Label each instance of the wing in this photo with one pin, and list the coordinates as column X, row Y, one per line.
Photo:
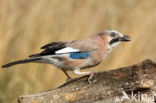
column 76, row 49
column 50, row 49
column 55, row 48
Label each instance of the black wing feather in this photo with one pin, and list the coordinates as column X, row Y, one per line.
column 50, row 48
column 51, row 51
column 53, row 45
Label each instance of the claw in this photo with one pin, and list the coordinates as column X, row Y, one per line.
column 69, row 79
column 91, row 79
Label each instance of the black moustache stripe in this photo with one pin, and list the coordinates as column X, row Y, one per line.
column 114, row 41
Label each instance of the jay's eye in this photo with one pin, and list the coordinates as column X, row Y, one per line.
column 113, row 34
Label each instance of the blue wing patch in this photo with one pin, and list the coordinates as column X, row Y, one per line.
column 79, row 55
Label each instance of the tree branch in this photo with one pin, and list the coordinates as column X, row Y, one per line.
column 115, row 85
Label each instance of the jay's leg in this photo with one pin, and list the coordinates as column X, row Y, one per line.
column 91, row 77
column 68, row 77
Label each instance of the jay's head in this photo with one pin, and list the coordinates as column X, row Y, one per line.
column 115, row 38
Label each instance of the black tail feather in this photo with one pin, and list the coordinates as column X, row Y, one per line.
column 20, row 62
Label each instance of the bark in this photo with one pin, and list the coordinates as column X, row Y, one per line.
column 115, row 86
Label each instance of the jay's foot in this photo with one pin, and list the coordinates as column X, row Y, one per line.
column 69, row 79
column 91, row 79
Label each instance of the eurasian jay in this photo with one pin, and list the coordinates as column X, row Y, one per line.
column 77, row 54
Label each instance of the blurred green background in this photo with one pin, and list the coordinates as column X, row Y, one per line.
column 26, row 25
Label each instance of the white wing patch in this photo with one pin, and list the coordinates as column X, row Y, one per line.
column 67, row 50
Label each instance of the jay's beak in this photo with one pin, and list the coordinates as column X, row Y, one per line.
column 125, row 38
